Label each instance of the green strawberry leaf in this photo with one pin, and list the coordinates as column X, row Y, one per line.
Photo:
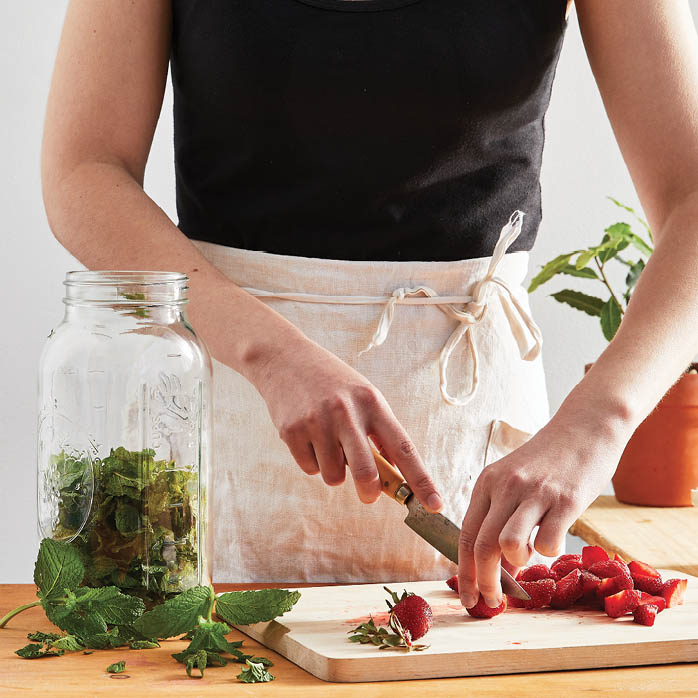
column 591, row 305
column 247, row 607
column 57, row 568
column 177, row 615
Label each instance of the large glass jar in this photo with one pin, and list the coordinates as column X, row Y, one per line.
column 124, row 441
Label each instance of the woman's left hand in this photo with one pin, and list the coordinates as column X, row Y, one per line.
column 547, row 482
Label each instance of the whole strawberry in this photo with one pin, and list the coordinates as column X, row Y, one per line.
column 482, row 610
column 410, row 615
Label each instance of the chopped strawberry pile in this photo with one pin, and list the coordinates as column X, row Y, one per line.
column 620, row 587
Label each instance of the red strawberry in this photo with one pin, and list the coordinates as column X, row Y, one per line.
column 453, row 582
column 645, row 614
column 482, row 610
column 623, row 602
column 674, row 591
column 534, row 573
column 658, row 601
column 642, row 569
column 562, row 569
column 590, row 582
column 650, row 585
column 567, row 556
column 612, row 585
column 412, row 613
column 567, row 590
column 619, row 558
column 592, row 554
column 609, row 568
column 540, row 591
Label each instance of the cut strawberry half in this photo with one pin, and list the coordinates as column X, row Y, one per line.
column 645, row 614
column 612, row 585
column 567, row 590
column 590, row 582
column 562, row 568
column 619, row 558
column 642, row 569
column 674, row 591
column 541, row 592
column 623, row 602
column 453, row 582
column 592, row 554
column 658, row 601
column 535, row 573
column 482, row 610
column 609, row 568
column 650, row 585
column 567, row 556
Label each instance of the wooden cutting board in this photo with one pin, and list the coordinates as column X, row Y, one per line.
column 314, row 636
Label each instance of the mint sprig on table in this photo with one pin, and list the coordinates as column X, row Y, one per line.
column 104, row 617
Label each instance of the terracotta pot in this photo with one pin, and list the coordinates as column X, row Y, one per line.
column 659, row 466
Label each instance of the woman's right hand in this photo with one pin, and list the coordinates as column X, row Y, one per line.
column 326, row 411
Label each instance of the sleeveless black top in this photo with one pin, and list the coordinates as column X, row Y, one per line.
column 361, row 129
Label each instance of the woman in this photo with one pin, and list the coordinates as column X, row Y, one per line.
column 344, row 168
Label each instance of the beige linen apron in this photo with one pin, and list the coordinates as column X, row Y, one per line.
column 451, row 346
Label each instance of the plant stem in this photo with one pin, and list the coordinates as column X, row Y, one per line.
column 608, row 285
column 19, row 609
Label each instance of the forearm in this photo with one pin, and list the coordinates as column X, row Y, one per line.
column 100, row 213
column 658, row 337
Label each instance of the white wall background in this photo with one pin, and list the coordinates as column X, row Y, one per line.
column 582, row 165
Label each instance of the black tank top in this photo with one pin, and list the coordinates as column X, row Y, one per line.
column 361, row 129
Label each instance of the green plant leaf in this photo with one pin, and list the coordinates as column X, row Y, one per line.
column 177, row 615
column 254, row 673
column 197, row 660
column 611, row 316
column 117, row 667
column 143, row 644
column 549, row 270
column 585, row 257
column 38, row 636
column 623, row 231
column 69, row 643
column 116, row 608
column 591, row 305
column 633, row 275
column 584, row 272
column 247, row 607
column 632, row 211
column 57, row 568
column 35, row 651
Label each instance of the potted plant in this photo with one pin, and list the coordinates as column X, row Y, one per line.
column 659, row 466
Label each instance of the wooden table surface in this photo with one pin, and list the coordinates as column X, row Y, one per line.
column 663, row 537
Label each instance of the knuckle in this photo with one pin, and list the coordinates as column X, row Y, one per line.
column 423, row 482
column 510, row 542
column 366, row 396
column 338, row 406
column 407, row 449
column 485, row 549
column 364, row 472
column 516, row 480
column 290, row 431
column 466, row 542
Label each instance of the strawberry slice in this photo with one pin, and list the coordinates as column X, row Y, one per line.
column 482, row 610
column 592, row 554
column 619, row 558
column 609, row 568
column 650, row 585
column 674, row 591
column 567, row 590
column 645, row 614
column 453, row 582
column 535, row 573
column 658, row 601
column 567, row 556
column 612, row 585
column 590, row 582
column 642, row 569
column 562, row 568
column 541, row 592
column 623, row 602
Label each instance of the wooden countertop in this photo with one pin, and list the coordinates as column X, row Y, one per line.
column 663, row 537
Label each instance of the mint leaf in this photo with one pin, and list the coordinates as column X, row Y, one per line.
column 197, row 660
column 69, row 643
column 247, row 607
column 117, row 667
column 591, row 305
column 38, row 636
column 57, row 568
column 254, row 673
column 116, row 608
column 143, row 644
column 209, row 636
column 34, row 651
column 177, row 615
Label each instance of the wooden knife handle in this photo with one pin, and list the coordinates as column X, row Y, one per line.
column 392, row 482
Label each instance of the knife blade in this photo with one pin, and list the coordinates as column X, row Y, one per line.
column 440, row 532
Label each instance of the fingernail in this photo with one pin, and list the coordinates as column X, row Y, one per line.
column 468, row 600
column 493, row 601
column 434, row 502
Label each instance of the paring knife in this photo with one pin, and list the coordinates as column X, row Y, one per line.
column 435, row 529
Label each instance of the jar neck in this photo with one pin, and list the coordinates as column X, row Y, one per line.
column 154, row 296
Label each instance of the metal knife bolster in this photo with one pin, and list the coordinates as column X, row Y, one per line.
column 442, row 534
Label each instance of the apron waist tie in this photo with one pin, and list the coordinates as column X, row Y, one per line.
column 467, row 317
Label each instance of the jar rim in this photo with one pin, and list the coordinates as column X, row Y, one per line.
column 109, row 277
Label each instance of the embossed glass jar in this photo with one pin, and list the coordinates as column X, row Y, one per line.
column 124, row 440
